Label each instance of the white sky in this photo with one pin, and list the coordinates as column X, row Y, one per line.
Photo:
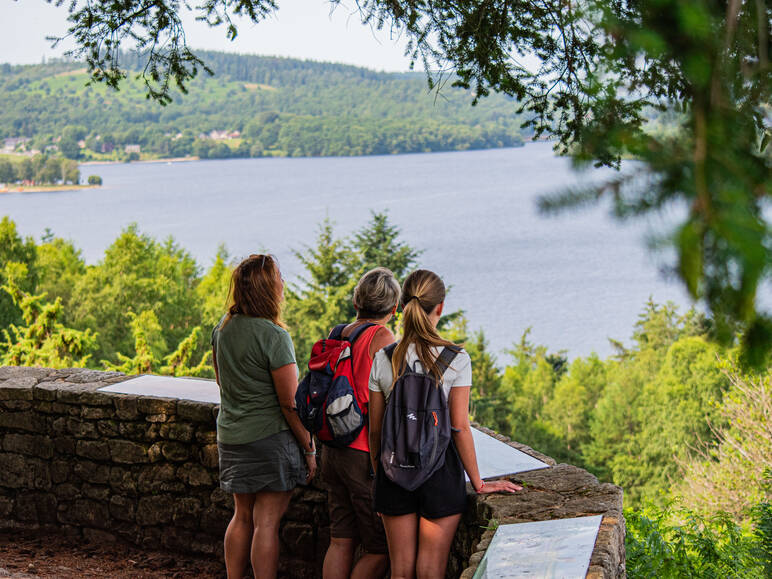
column 299, row 29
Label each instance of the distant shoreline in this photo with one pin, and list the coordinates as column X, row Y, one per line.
column 284, row 156
column 45, row 188
column 169, row 160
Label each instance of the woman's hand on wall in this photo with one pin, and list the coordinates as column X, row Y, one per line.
column 498, row 486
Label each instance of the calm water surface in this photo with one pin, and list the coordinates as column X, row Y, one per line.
column 577, row 279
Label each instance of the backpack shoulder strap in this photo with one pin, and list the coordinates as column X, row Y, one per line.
column 447, row 356
column 335, row 333
column 354, row 336
column 389, row 350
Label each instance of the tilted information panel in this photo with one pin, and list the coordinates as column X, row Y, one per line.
column 559, row 549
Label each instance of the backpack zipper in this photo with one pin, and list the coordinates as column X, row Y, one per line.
column 436, row 439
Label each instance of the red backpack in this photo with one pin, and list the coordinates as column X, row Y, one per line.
column 327, row 403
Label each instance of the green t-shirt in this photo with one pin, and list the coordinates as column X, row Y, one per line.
column 247, row 350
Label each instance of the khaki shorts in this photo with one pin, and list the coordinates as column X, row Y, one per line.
column 346, row 474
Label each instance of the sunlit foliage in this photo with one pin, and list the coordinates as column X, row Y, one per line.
column 42, row 340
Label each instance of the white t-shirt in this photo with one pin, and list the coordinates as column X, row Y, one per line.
column 458, row 374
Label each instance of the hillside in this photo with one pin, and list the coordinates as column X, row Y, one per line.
column 252, row 106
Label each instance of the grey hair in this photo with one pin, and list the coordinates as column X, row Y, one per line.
column 377, row 293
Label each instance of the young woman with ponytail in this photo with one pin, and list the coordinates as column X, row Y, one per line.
column 420, row 524
column 265, row 451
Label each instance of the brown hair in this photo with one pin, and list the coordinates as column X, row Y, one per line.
column 256, row 289
column 422, row 291
column 376, row 294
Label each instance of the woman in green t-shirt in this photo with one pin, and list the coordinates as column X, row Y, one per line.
column 265, row 451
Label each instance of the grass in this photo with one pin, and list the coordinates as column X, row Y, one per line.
column 14, row 158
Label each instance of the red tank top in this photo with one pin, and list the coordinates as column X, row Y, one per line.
column 362, row 362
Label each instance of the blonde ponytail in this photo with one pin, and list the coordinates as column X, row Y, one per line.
column 422, row 291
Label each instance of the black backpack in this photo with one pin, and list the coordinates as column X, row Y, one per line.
column 416, row 427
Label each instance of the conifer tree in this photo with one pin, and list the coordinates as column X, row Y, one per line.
column 212, row 290
column 149, row 346
column 60, row 265
column 323, row 297
column 43, row 340
column 178, row 362
column 378, row 244
column 333, row 266
column 137, row 274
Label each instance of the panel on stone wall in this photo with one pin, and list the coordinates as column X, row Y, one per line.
column 545, row 549
column 197, row 389
column 495, row 458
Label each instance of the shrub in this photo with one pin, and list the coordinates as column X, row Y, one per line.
column 735, row 471
column 676, row 543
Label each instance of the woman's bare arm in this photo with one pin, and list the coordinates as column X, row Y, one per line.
column 285, row 380
column 375, row 413
column 458, row 402
column 382, row 338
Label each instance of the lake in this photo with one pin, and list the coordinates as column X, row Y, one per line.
column 576, row 279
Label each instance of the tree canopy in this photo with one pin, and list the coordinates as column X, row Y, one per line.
column 586, row 72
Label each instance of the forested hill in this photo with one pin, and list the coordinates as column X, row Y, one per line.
column 252, row 106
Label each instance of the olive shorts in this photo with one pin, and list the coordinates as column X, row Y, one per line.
column 274, row 463
column 346, row 475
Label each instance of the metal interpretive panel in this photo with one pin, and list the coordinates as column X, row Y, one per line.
column 495, row 458
column 559, row 549
column 199, row 390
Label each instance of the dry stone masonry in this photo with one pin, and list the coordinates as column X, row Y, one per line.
column 118, row 467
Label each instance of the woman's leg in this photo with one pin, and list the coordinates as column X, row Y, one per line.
column 434, row 539
column 340, row 556
column 340, row 553
column 268, row 510
column 370, row 566
column 238, row 536
column 402, row 536
column 338, row 559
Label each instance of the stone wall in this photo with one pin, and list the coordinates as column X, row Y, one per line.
column 111, row 467
column 117, row 467
column 562, row 491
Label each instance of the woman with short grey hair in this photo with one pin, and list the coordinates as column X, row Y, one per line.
column 346, row 472
column 376, row 294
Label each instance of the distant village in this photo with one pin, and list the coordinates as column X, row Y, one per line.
column 20, row 145
column 24, row 166
column 17, row 144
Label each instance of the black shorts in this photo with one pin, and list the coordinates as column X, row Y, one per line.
column 444, row 494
